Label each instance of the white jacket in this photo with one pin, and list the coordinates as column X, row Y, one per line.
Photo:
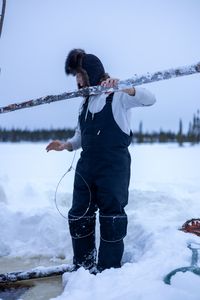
column 121, row 108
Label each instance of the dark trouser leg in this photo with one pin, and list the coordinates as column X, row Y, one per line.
column 112, row 196
column 82, row 222
column 113, row 230
column 83, row 241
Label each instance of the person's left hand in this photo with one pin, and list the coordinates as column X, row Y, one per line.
column 111, row 82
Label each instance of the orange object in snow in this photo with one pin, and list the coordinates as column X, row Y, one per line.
column 191, row 226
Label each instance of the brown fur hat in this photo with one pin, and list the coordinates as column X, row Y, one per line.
column 88, row 65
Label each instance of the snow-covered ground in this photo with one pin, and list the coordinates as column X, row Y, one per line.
column 164, row 193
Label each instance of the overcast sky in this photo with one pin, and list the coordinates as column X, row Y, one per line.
column 129, row 36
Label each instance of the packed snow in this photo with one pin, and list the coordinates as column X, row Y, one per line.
column 164, row 193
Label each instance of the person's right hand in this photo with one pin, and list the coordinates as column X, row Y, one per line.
column 57, row 146
column 110, row 82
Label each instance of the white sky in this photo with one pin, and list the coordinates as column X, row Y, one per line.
column 128, row 36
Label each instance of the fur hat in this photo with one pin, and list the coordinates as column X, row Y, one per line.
column 88, row 65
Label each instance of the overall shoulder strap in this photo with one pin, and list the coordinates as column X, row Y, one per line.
column 109, row 98
column 87, row 99
column 85, row 104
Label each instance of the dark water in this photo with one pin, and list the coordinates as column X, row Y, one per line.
column 13, row 291
column 41, row 289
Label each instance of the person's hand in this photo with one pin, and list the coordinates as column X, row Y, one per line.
column 110, row 82
column 58, row 146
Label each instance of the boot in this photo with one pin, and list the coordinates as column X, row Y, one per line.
column 113, row 230
column 83, row 241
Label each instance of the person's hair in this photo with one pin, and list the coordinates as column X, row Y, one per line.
column 104, row 77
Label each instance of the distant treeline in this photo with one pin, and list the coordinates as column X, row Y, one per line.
column 192, row 136
column 18, row 135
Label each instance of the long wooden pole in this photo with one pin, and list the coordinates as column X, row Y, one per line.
column 94, row 90
column 39, row 272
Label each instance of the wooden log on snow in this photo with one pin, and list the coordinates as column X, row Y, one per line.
column 39, row 272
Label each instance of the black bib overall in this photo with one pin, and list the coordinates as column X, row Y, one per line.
column 104, row 170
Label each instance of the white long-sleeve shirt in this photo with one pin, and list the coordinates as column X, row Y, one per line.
column 121, row 108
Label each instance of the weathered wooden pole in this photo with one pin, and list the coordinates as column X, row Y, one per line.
column 94, row 90
column 39, row 272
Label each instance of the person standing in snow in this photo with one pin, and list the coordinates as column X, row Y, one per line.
column 104, row 134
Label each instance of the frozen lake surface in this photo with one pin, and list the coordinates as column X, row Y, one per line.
column 164, row 193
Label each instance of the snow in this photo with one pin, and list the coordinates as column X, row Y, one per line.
column 164, row 193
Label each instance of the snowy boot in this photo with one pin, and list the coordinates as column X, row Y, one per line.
column 82, row 231
column 113, row 230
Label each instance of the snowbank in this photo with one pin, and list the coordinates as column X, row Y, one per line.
column 164, row 193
